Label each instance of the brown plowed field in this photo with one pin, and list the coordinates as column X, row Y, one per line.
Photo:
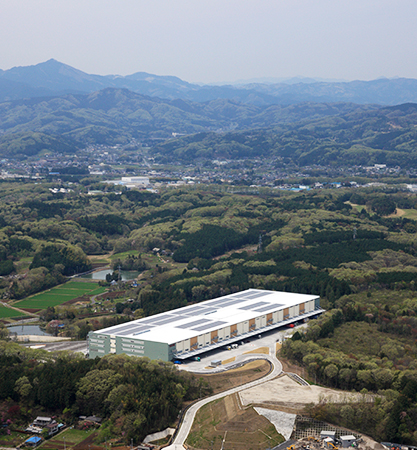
column 84, row 298
column 88, row 444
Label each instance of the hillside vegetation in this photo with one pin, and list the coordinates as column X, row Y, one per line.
column 337, row 134
column 135, row 396
column 116, row 116
column 361, row 262
column 382, row 136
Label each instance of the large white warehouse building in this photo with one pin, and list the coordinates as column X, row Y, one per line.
column 195, row 329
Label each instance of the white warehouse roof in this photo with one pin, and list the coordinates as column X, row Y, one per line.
column 190, row 321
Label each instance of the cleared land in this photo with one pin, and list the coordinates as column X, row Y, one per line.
column 223, row 381
column 406, row 213
column 72, row 438
column 263, row 350
column 239, row 428
column 285, row 394
column 60, row 294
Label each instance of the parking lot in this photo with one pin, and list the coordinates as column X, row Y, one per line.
column 268, row 340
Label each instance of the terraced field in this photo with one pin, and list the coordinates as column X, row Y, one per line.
column 6, row 313
column 60, row 294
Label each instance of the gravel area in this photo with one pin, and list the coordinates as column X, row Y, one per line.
column 283, row 422
column 286, row 392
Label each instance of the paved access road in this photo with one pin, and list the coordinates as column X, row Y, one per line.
column 189, row 417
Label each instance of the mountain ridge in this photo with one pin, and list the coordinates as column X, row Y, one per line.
column 52, row 77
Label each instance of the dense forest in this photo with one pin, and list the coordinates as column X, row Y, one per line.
column 134, row 396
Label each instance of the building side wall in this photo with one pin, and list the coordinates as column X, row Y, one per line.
column 102, row 344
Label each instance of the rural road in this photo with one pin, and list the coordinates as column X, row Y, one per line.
column 185, row 427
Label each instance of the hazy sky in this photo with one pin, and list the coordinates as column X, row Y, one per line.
column 215, row 40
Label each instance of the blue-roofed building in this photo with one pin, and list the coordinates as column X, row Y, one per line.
column 33, row 441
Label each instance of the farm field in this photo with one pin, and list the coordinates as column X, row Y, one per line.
column 12, row 440
column 60, row 294
column 6, row 313
column 67, row 439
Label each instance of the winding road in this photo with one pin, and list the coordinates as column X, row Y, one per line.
column 188, row 419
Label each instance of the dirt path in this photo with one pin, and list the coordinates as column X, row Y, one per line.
column 18, row 309
column 398, row 213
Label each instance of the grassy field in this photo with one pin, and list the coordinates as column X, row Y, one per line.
column 60, row 294
column 72, row 438
column 75, row 436
column 410, row 214
column 6, row 313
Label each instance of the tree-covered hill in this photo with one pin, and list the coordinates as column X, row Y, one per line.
column 55, row 78
column 114, row 116
column 384, row 136
column 360, row 260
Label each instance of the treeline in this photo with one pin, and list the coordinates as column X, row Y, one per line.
column 331, row 237
column 65, row 259
column 10, row 249
column 354, row 348
column 134, row 396
column 46, row 210
column 210, row 241
column 107, row 224
column 132, row 262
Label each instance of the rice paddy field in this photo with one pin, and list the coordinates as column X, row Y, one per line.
column 7, row 313
column 60, row 294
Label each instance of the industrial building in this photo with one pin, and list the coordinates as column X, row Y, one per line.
column 196, row 329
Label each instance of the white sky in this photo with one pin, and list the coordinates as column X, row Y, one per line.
column 215, row 40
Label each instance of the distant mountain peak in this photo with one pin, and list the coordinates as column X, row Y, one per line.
column 54, row 78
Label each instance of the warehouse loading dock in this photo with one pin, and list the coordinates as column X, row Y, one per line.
column 196, row 329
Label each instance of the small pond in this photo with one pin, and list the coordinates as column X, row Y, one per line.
column 27, row 330
column 101, row 275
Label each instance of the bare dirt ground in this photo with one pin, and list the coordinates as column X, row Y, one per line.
column 264, row 350
column 285, row 394
column 239, row 428
column 236, row 377
column 398, row 213
column 288, row 366
column 88, row 444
